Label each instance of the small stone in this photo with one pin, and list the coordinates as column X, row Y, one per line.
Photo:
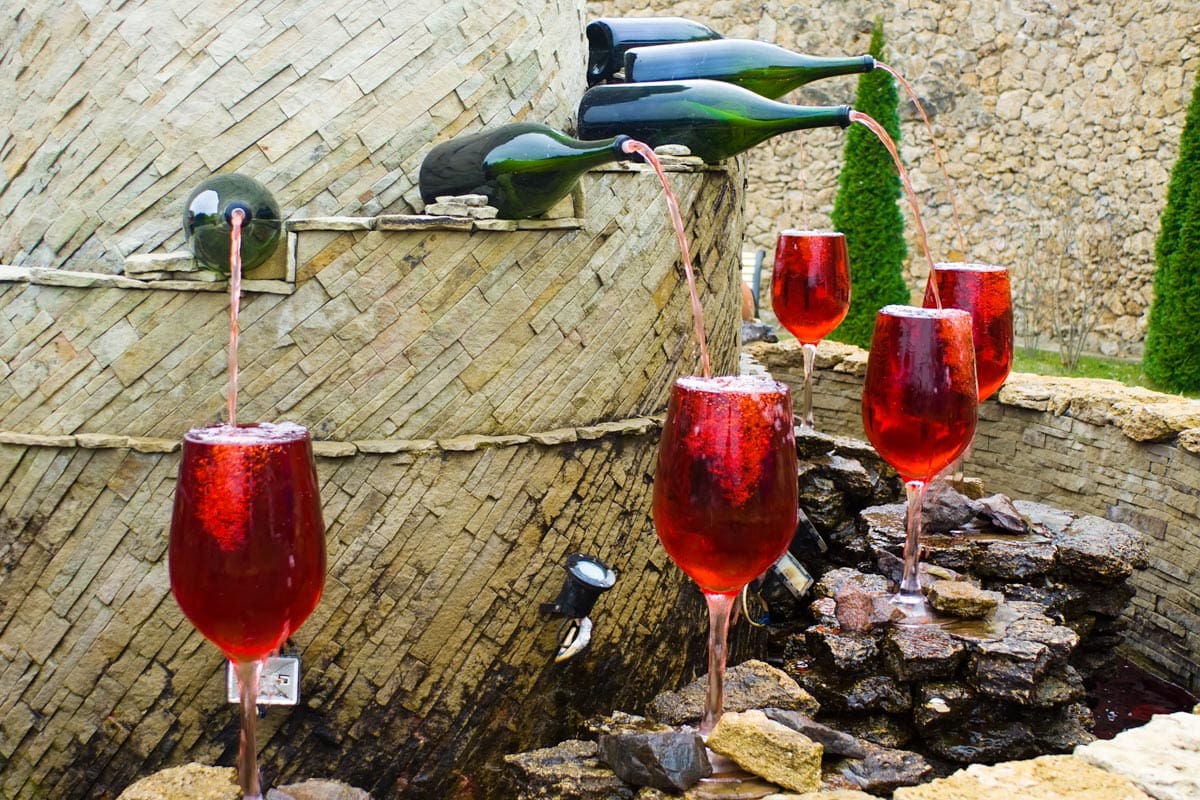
column 844, row 652
column 1101, row 550
column 1009, row 669
column 677, row 150
column 751, row 684
column 921, row 652
column 768, row 749
column 666, row 760
column 882, row 770
column 189, row 782
column 464, row 199
column 1002, row 514
column 962, row 599
column 835, row 742
column 569, row 769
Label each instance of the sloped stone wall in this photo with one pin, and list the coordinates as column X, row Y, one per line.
column 1093, row 447
column 1059, row 123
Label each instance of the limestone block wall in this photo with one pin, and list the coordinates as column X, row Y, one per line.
column 1094, row 447
column 111, row 113
column 1059, row 123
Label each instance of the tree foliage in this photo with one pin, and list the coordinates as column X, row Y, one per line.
column 1172, row 354
column 866, row 208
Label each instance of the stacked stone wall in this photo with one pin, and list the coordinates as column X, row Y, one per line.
column 1059, row 123
column 1093, row 447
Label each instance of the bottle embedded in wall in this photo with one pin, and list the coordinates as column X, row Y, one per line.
column 610, row 37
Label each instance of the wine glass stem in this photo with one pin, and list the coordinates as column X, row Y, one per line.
column 910, row 580
column 248, row 674
column 719, row 608
column 806, row 405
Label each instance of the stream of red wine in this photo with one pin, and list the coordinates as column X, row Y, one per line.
column 645, row 151
column 235, row 302
column 882, row 134
column 937, row 151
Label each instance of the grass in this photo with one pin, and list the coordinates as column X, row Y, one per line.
column 1046, row 362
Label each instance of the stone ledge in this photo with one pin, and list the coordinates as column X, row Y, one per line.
column 1140, row 414
column 635, row 426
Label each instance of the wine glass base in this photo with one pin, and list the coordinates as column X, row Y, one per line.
column 915, row 609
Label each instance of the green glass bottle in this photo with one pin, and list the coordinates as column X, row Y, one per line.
column 610, row 37
column 523, row 168
column 763, row 68
column 208, row 221
column 715, row 120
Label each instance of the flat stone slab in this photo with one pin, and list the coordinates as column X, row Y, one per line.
column 1045, row 778
column 189, row 782
column 1162, row 757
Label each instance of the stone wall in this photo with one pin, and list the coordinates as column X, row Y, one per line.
column 110, row 114
column 1090, row 446
column 1059, row 123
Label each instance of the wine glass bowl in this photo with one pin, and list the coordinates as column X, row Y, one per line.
column 984, row 291
column 726, row 491
column 919, row 406
column 247, row 549
column 810, row 294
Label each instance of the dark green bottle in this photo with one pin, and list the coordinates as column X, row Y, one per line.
column 762, row 68
column 523, row 168
column 715, row 120
column 610, row 37
column 208, row 221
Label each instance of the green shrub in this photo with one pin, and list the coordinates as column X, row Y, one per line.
column 1172, row 354
column 866, row 207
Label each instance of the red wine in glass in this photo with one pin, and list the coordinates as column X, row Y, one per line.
column 810, row 294
column 982, row 290
column 919, row 405
column 725, row 495
column 247, row 549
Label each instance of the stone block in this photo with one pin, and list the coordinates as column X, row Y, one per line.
column 768, row 749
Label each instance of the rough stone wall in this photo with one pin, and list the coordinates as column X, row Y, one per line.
column 110, row 114
column 1059, row 123
column 1094, row 447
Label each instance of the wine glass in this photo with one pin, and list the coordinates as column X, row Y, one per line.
column 725, row 495
column 247, row 550
column 810, row 294
column 982, row 290
column 919, row 406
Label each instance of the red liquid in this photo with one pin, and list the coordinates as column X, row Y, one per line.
column 984, row 292
column 247, row 550
column 725, row 489
column 647, row 152
column 919, row 397
column 810, row 284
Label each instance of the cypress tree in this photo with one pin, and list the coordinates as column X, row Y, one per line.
column 1172, row 354
column 866, row 208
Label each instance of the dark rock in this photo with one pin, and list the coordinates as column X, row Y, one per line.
column 921, row 652
column 667, row 760
column 569, row 770
column 1064, row 730
column 749, row 685
column 939, row 704
column 1001, row 514
column 1109, row 601
column 1058, row 688
column 983, row 742
column 835, row 742
column 946, row 509
column 843, row 652
column 821, row 500
column 1100, row 550
column 885, row 730
column 872, row 693
column 1016, row 560
column 1060, row 641
column 883, row 770
column 835, row 579
column 848, row 475
column 1008, row 669
column 807, row 543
